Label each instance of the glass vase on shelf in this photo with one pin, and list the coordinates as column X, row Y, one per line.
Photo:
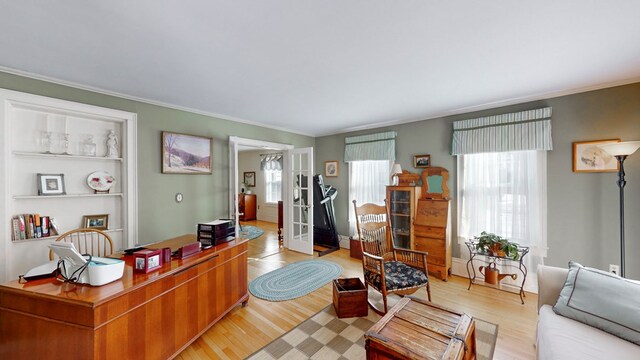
column 89, row 147
column 46, row 142
column 66, row 137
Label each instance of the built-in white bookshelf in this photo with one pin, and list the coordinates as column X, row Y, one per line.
column 51, row 136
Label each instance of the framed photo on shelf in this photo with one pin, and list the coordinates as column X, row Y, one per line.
column 51, row 184
column 250, row 178
column 421, row 161
column 588, row 156
column 331, row 168
column 186, row 154
column 98, row 222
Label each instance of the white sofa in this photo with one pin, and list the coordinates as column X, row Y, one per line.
column 561, row 338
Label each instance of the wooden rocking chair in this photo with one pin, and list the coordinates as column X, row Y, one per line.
column 398, row 271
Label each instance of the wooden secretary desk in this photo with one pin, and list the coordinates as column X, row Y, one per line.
column 432, row 222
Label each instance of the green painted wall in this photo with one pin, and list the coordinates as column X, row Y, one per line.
column 582, row 208
column 205, row 196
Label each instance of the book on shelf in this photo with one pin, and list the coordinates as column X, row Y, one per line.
column 23, row 228
column 53, row 227
column 32, row 226
column 44, row 220
column 15, row 228
column 38, row 225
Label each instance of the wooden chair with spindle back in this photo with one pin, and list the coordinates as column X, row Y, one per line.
column 87, row 241
column 405, row 271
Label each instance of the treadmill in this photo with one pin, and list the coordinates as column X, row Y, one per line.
column 325, row 234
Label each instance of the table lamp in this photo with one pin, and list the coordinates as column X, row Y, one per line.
column 395, row 170
column 621, row 150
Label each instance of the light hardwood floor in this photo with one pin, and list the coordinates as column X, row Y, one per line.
column 245, row 330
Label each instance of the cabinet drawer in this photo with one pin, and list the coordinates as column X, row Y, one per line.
column 430, row 231
column 435, row 247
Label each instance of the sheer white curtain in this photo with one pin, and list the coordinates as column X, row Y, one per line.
column 505, row 193
column 367, row 184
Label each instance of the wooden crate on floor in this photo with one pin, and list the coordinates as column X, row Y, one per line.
column 350, row 298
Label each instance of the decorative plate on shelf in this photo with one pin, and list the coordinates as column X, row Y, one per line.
column 100, row 181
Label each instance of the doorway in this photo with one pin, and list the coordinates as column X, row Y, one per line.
column 260, row 209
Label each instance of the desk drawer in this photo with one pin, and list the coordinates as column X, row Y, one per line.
column 435, row 247
column 430, row 231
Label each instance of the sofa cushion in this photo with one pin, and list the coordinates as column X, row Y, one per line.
column 603, row 300
column 560, row 338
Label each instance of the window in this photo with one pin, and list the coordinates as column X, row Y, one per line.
column 505, row 193
column 273, row 185
column 367, row 184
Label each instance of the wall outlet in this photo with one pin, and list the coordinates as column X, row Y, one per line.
column 614, row 269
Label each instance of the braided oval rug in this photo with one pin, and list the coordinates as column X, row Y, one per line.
column 294, row 280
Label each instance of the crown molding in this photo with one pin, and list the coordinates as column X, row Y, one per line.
column 142, row 100
column 458, row 111
column 489, row 105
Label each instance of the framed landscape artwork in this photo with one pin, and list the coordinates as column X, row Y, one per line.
column 588, row 156
column 421, row 161
column 186, row 154
column 331, row 168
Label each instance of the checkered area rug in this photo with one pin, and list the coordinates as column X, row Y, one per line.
column 325, row 336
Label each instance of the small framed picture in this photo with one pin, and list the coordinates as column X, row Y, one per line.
column 51, row 184
column 588, row 156
column 421, row 161
column 147, row 260
column 98, row 222
column 250, row 178
column 331, row 168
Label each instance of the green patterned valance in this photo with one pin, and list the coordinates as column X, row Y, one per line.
column 380, row 146
column 525, row 130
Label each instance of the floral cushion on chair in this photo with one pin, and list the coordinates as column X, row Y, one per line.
column 398, row 275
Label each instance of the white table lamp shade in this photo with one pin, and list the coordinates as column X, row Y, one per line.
column 396, row 169
column 621, row 148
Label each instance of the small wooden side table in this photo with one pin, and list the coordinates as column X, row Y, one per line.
column 415, row 329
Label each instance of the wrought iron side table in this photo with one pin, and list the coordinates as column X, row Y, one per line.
column 492, row 261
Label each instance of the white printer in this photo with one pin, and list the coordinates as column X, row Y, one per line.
column 94, row 271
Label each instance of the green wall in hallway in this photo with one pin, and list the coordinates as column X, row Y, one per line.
column 205, row 196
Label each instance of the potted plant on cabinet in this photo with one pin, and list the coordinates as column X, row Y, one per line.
column 495, row 245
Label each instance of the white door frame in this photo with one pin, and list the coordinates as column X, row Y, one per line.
column 234, row 142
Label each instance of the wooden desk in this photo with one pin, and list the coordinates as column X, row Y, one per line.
column 146, row 316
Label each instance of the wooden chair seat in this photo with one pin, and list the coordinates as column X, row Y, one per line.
column 398, row 276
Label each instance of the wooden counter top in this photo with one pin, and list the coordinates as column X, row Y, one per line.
column 94, row 295
column 178, row 302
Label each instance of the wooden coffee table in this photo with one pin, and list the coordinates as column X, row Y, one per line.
column 415, row 329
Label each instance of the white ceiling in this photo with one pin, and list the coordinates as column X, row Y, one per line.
column 319, row 67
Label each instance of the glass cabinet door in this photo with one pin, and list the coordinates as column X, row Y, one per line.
column 400, row 209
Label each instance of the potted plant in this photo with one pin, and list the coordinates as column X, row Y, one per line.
column 495, row 245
